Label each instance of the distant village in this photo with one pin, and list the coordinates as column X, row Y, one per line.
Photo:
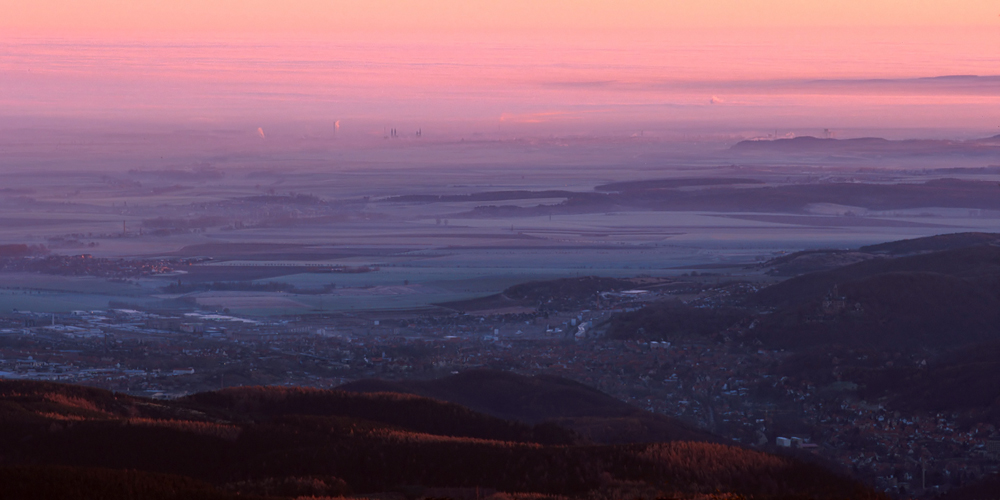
column 723, row 386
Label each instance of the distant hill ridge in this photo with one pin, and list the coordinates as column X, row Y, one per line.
column 939, row 292
column 557, row 294
column 933, row 243
column 977, row 262
column 940, row 299
column 871, row 145
column 808, row 261
column 63, row 441
column 543, row 398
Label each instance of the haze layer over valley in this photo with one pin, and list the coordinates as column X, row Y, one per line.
column 437, row 221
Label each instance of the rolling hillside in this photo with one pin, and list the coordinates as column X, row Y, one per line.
column 590, row 413
column 943, row 299
column 258, row 442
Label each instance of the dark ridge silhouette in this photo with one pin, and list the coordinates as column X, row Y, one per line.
column 569, row 289
column 555, row 294
column 25, row 401
column 810, row 261
column 783, row 199
column 784, row 259
column 938, row 300
column 544, row 398
column 906, row 311
column 794, row 198
column 925, row 301
column 990, row 170
column 286, row 442
column 869, row 146
column 933, row 243
column 397, row 409
column 978, row 262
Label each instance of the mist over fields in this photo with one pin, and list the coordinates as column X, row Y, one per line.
column 449, row 219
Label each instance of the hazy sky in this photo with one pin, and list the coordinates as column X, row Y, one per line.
column 578, row 66
column 508, row 16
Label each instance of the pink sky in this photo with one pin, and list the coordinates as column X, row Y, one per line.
column 482, row 16
column 494, row 64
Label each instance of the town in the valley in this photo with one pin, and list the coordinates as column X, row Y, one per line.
column 722, row 384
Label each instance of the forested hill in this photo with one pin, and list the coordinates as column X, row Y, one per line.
column 543, row 398
column 62, row 441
